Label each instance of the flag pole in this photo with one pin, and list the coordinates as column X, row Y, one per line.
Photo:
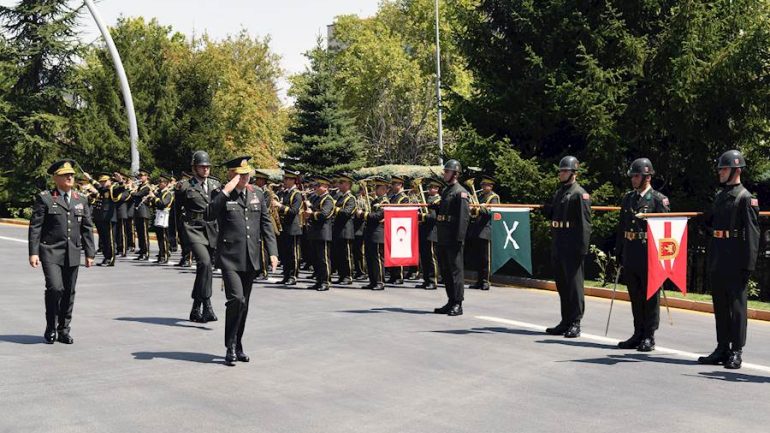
column 665, row 299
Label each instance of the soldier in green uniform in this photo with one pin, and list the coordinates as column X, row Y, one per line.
column 320, row 213
column 343, row 232
column 142, row 214
column 480, row 232
column 104, row 214
column 244, row 224
column 359, row 254
column 201, row 234
column 374, row 234
column 732, row 256
column 452, row 218
column 632, row 253
column 123, row 237
column 289, row 238
column 163, row 201
column 260, row 180
column 428, row 238
column 179, row 214
column 59, row 229
column 570, row 215
column 397, row 196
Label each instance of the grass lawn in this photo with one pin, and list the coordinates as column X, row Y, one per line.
column 757, row 305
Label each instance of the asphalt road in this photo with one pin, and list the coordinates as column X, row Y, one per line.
column 350, row 360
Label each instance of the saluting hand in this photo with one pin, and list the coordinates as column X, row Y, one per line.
column 230, row 186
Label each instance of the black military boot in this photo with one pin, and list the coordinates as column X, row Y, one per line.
column 443, row 310
column 734, row 360
column 647, row 344
column 51, row 302
column 208, row 312
column 573, row 331
column 230, row 356
column 559, row 329
column 631, row 343
column 720, row 355
column 195, row 313
column 64, row 337
column 456, row 310
column 241, row 355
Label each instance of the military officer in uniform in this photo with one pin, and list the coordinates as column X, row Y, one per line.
column 732, row 256
column 163, row 201
column 427, row 232
column 343, row 231
column 570, row 215
column 59, row 229
column 397, row 196
column 452, row 218
column 480, row 231
column 201, row 234
column 142, row 215
column 289, row 238
column 320, row 214
column 632, row 253
column 244, row 224
column 374, row 234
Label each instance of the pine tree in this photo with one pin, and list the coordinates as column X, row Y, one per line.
column 323, row 136
column 35, row 129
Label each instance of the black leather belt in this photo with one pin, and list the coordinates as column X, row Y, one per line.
column 639, row 236
column 728, row 234
column 444, row 218
column 560, row 224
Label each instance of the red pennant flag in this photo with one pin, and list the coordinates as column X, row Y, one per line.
column 666, row 253
column 402, row 246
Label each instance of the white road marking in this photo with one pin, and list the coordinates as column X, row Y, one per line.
column 600, row 339
column 24, row 241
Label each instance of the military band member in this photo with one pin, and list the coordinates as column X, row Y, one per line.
column 480, row 232
column 244, row 224
column 343, row 232
column 142, row 215
column 397, row 196
column 173, row 240
column 289, row 238
column 59, row 229
column 732, row 256
column 320, row 213
column 452, row 218
column 359, row 254
column 260, row 180
column 374, row 234
column 632, row 253
column 570, row 215
column 122, row 204
column 179, row 214
column 201, row 234
column 427, row 232
column 104, row 215
column 163, row 201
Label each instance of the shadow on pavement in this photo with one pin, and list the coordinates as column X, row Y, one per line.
column 577, row 343
column 201, row 358
column 488, row 330
column 166, row 321
column 729, row 376
column 22, row 339
column 633, row 357
column 387, row 310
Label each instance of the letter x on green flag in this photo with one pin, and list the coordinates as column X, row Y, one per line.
column 511, row 238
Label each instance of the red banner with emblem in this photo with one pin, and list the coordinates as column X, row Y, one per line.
column 402, row 246
column 666, row 253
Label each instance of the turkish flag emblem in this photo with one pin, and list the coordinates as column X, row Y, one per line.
column 402, row 246
column 666, row 253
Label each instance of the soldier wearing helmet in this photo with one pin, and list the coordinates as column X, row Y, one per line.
column 631, row 250
column 570, row 215
column 732, row 256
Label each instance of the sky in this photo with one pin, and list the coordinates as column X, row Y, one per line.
column 293, row 25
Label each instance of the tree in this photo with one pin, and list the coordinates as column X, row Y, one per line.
column 35, row 126
column 322, row 135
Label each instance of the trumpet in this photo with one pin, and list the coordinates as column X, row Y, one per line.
column 274, row 215
column 470, row 184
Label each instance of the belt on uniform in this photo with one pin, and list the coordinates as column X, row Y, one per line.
column 444, row 218
column 727, row 234
column 635, row 236
column 560, row 224
column 195, row 217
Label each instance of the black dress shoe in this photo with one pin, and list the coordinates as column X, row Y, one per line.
column 344, row 281
column 443, row 310
column 313, row 287
column 322, row 288
column 360, row 277
column 242, row 357
column 49, row 336
column 484, row 286
column 230, row 357
column 378, row 286
column 368, row 286
column 261, row 277
column 734, row 361
column 573, row 331
column 474, row 286
column 647, row 345
column 718, row 356
column 429, row 286
column 396, row 282
column 631, row 343
column 64, row 337
column 291, row 281
column 411, row 276
column 456, row 310
column 139, row 257
column 559, row 329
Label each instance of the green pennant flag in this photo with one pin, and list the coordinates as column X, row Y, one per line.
column 511, row 238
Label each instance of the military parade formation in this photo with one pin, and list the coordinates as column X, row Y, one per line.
column 333, row 225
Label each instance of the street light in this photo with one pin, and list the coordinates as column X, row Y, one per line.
column 438, row 92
